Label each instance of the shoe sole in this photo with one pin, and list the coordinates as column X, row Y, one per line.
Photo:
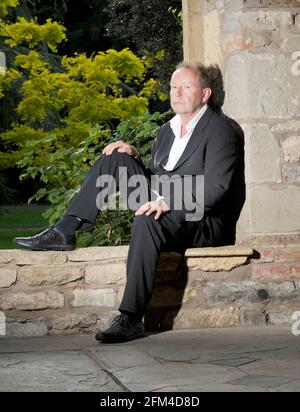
column 110, row 339
column 45, row 247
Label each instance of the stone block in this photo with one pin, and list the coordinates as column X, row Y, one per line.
column 253, row 84
column 288, row 127
column 93, row 297
column 105, row 274
column 288, row 253
column 26, row 327
column 235, row 275
column 291, row 149
column 8, row 275
column 73, row 321
column 221, row 251
column 281, row 291
column 39, row 258
column 259, row 167
column 251, row 291
column 91, row 254
column 274, row 209
column 229, row 292
column 270, row 3
column 271, row 271
column 259, row 240
column 279, row 313
column 6, row 256
column 218, row 317
column 253, row 316
column 32, row 300
column 256, row 29
column 166, row 296
column 211, row 38
column 49, row 275
column 215, row 264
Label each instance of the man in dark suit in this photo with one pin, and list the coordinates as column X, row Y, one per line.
column 196, row 142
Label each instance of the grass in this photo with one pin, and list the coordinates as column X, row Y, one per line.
column 23, row 220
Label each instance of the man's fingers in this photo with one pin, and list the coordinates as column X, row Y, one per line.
column 141, row 210
column 158, row 214
column 111, row 147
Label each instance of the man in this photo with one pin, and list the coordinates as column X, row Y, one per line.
column 196, row 142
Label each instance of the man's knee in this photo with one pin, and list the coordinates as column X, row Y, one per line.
column 143, row 221
column 117, row 156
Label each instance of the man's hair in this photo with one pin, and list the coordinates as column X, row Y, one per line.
column 197, row 68
column 209, row 76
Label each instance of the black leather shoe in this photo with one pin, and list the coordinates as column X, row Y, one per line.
column 50, row 239
column 122, row 329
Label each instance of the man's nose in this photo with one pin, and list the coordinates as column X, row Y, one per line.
column 179, row 91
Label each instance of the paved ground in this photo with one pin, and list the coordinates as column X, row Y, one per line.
column 233, row 359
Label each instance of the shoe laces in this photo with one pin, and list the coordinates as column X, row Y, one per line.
column 122, row 320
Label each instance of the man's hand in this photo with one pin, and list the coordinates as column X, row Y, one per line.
column 121, row 147
column 158, row 206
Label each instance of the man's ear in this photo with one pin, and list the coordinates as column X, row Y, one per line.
column 206, row 93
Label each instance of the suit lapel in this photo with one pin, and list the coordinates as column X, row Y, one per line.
column 195, row 139
column 162, row 155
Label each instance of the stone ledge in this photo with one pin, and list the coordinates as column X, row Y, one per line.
column 219, row 251
column 96, row 253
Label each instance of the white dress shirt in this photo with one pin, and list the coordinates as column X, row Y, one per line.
column 180, row 143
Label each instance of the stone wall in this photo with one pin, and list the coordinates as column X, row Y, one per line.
column 257, row 45
column 68, row 292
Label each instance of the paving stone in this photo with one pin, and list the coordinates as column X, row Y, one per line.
column 67, row 371
column 261, row 380
column 181, row 375
column 114, row 359
column 287, row 367
column 248, row 359
column 36, row 344
column 293, row 386
column 232, row 362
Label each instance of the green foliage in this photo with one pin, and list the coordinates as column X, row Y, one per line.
column 100, row 89
column 68, row 109
column 31, row 34
column 4, row 4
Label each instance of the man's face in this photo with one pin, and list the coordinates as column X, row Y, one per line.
column 186, row 94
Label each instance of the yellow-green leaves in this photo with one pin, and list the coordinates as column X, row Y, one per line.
column 4, row 4
column 30, row 34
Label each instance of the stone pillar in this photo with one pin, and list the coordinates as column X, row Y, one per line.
column 257, row 45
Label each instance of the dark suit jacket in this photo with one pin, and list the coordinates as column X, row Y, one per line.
column 216, row 151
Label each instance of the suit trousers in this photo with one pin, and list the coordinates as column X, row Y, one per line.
column 148, row 236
